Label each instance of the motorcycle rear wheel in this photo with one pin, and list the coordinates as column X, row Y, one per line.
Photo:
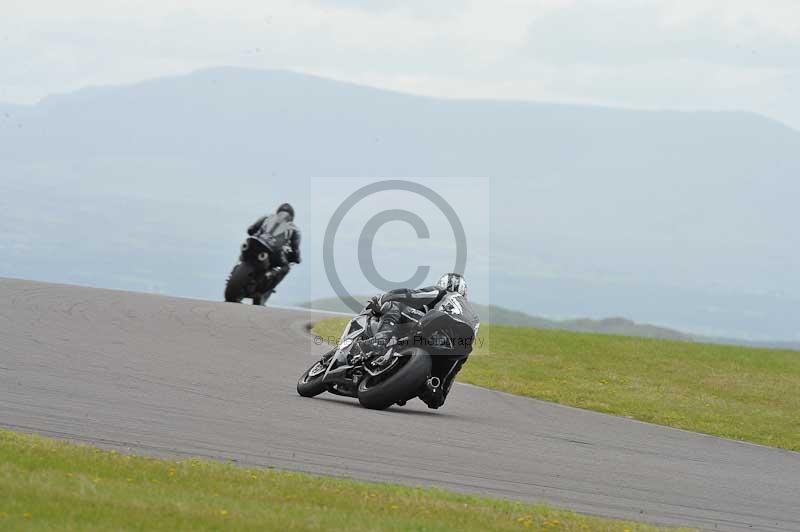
column 240, row 277
column 381, row 392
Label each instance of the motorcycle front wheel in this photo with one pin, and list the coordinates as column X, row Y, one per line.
column 396, row 384
column 310, row 383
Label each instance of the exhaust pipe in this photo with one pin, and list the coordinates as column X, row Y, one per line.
column 433, row 383
column 263, row 256
column 245, row 246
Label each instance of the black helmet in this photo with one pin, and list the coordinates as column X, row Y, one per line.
column 453, row 282
column 285, row 207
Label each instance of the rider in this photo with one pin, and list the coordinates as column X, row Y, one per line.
column 398, row 307
column 282, row 238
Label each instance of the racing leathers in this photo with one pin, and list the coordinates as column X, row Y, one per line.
column 282, row 238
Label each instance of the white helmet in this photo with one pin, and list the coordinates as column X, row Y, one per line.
column 453, row 282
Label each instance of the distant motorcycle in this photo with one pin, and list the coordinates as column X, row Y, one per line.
column 422, row 360
column 254, row 277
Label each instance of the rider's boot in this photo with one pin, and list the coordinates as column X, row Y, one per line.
column 433, row 397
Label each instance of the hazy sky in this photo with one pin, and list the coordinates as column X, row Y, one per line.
column 687, row 54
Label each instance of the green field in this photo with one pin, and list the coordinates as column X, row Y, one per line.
column 735, row 392
column 53, row 485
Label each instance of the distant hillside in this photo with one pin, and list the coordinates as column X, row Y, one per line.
column 504, row 316
column 688, row 219
column 620, row 326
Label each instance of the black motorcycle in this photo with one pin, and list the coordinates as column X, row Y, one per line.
column 254, row 277
column 422, row 360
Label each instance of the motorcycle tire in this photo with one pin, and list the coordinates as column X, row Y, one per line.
column 401, row 385
column 240, row 277
column 311, row 386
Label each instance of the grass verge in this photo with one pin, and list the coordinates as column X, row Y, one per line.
column 740, row 393
column 53, row 485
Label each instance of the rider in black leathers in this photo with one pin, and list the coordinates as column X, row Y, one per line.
column 398, row 307
column 283, row 238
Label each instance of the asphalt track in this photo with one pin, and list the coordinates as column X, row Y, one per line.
column 174, row 377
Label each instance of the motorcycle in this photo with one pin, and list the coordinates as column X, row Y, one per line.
column 254, row 277
column 421, row 361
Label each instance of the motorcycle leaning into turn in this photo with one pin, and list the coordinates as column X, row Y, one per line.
column 421, row 362
column 257, row 273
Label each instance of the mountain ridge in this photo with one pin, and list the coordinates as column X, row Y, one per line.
column 676, row 217
column 222, row 70
column 612, row 325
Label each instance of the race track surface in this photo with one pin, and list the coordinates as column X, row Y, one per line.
column 175, row 377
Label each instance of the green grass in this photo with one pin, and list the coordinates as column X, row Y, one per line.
column 735, row 392
column 54, row 485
